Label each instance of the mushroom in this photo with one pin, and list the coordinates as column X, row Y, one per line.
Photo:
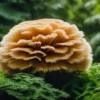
column 45, row 45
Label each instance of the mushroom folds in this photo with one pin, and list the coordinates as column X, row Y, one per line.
column 45, row 45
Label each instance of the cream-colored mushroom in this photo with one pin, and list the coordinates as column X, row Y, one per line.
column 45, row 45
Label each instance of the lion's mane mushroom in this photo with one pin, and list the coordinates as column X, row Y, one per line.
column 45, row 45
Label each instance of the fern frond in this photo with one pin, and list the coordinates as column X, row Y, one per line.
column 28, row 87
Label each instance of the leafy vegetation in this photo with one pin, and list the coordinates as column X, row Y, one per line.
column 73, row 86
column 85, row 86
column 23, row 86
column 79, row 85
column 15, row 11
column 95, row 43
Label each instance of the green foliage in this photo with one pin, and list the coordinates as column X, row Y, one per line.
column 95, row 43
column 13, row 15
column 86, row 85
column 79, row 85
column 15, row 11
column 23, row 86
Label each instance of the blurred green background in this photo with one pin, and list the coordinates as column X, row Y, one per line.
column 84, row 13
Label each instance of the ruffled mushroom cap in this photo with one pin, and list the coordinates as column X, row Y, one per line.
column 45, row 45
